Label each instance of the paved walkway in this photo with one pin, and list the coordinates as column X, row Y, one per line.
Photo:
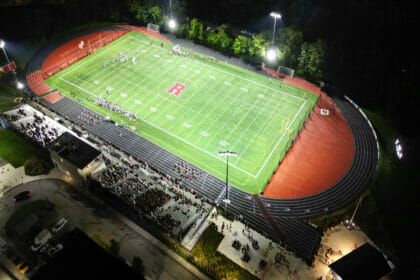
column 340, row 241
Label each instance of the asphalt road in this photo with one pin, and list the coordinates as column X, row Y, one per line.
column 98, row 219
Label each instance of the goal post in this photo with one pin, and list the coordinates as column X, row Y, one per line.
column 286, row 71
column 153, row 27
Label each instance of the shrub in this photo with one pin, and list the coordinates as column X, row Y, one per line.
column 36, row 166
column 114, row 247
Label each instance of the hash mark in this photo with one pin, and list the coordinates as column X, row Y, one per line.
column 187, row 125
column 204, row 133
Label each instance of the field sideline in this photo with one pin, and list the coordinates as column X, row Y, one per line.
column 192, row 106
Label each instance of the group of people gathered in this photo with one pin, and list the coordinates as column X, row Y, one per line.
column 33, row 126
column 187, row 172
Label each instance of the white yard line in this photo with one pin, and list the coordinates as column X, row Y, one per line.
column 238, row 124
column 188, row 109
column 258, row 132
column 255, row 118
column 194, row 105
column 303, row 104
column 227, row 121
column 214, row 108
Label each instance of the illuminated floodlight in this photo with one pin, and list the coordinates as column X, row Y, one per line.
column 275, row 15
column 271, row 54
column 2, row 43
column 19, row 85
column 226, row 201
column 227, row 153
column 172, row 23
column 398, row 149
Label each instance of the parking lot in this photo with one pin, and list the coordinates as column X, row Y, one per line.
column 96, row 220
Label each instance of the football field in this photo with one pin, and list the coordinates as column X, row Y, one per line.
column 192, row 105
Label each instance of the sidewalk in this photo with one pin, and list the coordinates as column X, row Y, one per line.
column 163, row 247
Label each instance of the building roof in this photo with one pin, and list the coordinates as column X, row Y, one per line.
column 74, row 150
column 82, row 258
column 366, row 262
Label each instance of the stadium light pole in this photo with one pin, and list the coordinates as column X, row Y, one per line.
column 227, row 154
column 19, row 85
column 171, row 22
column 350, row 223
column 271, row 53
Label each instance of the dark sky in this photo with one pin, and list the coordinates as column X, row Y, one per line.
column 372, row 55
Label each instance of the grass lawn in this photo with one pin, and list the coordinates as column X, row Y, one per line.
column 7, row 91
column 214, row 264
column 193, row 107
column 15, row 149
column 7, row 96
column 7, row 105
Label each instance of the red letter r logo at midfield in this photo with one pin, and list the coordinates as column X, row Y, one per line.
column 176, row 89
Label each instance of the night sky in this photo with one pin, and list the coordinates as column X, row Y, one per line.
column 372, row 56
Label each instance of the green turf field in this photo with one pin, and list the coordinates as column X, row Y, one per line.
column 214, row 106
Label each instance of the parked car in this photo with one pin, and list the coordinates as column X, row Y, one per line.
column 22, row 196
column 59, row 225
column 3, row 244
column 41, row 239
column 44, row 248
column 23, row 268
column 53, row 250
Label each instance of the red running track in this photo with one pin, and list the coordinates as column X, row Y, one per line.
column 321, row 154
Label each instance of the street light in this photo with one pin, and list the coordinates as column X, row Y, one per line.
column 350, row 223
column 171, row 22
column 19, row 85
column 2, row 46
column 271, row 53
column 227, row 154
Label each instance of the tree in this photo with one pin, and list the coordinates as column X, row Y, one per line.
column 290, row 40
column 257, row 48
column 114, row 247
column 155, row 16
column 143, row 12
column 196, row 31
column 224, row 40
column 241, row 45
column 311, row 60
column 183, row 32
column 213, row 40
column 36, row 166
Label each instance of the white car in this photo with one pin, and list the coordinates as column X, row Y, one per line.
column 59, row 225
column 41, row 239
